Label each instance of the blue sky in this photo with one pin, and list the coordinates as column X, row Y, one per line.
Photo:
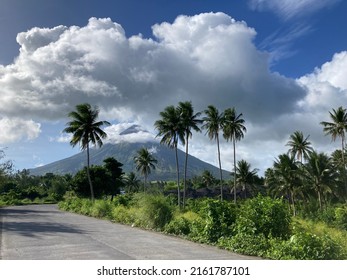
column 281, row 63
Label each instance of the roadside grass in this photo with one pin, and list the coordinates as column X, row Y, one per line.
column 260, row 226
column 6, row 201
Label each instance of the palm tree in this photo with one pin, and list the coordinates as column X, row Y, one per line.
column 245, row 176
column 207, row 178
column 86, row 129
column 284, row 178
column 131, row 182
column 337, row 128
column 213, row 124
column 170, row 130
column 189, row 121
column 320, row 175
column 300, row 147
column 233, row 129
column 144, row 161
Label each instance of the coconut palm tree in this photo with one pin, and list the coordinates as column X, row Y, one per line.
column 189, row 121
column 131, row 182
column 233, row 130
column 320, row 175
column 213, row 124
column 86, row 129
column 337, row 128
column 245, row 176
column 144, row 161
column 300, row 147
column 284, row 178
column 170, row 130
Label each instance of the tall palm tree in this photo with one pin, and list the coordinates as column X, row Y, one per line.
column 144, row 161
column 320, row 175
column 170, row 130
column 337, row 128
column 213, row 124
column 85, row 129
column 300, row 147
column 233, row 129
column 189, row 121
column 245, row 176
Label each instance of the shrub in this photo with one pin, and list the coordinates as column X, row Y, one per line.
column 86, row 207
column 219, row 216
column 181, row 224
column 264, row 215
column 306, row 246
column 123, row 199
column 101, row 209
column 155, row 210
column 341, row 217
column 124, row 215
column 248, row 244
column 215, row 220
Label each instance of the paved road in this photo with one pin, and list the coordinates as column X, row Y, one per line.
column 43, row 232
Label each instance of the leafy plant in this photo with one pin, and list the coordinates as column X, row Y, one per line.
column 264, row 215
column 341, row 217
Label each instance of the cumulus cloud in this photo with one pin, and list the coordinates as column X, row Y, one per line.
column 288, row 9
column 14, row 129
column 208, row 59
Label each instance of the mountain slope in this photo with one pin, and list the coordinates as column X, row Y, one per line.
column 124, row 152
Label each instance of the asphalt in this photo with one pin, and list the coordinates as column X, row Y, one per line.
column 43, row 232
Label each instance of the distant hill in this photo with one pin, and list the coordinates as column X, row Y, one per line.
column 124, row 153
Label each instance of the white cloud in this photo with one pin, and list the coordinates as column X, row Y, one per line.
column 14, row 129
column 207, row 59
column 114, row 134
column 287, row 9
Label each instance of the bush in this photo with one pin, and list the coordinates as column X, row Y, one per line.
column 155, row 210
column 306, row 246
column 124, row 215
column 219, row 216
column 122, row 199
column 181, row 224
column 264, row 215
column 341, row 217
column 101, row 209
column 248, row 244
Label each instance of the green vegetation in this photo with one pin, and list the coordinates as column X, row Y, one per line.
column 298, row 211
column 86, row 129
column 260, row 226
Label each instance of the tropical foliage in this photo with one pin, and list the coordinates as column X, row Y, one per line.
column 297, row 211
column 86, row 129
column 145, row 162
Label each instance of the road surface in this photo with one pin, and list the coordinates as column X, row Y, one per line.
column 42, row 232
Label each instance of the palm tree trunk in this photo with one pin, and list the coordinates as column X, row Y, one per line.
column 144, row 183
column 220, row 168
column 178, row 179
column 293, row 203
column 344, row 163
column 319, row 199
column 185, row 175
column 234, row 168
column 88, row 175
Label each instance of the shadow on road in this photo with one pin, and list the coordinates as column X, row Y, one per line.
column 32, row 229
